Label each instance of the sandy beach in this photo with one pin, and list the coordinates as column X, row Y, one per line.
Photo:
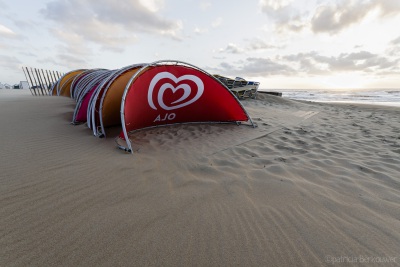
column 313, row 185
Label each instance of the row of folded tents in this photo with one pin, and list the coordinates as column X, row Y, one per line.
column 149, row 95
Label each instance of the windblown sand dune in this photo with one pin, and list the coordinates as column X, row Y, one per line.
column 313, row 185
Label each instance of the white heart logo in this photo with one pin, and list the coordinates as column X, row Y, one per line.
column 184, row 100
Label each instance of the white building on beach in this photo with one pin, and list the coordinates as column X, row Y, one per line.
column 21, row 85
column 5, row 86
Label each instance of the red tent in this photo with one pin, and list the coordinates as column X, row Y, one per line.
column 171, row 92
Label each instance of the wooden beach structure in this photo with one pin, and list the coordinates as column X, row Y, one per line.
column 41, row 81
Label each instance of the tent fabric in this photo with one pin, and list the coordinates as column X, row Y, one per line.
column 84, row 84
column 106, row 103
column 85, row 93
column 76, row 84
column 110, row 105
column 63, row 88
column 93, row 115
column 81, row 114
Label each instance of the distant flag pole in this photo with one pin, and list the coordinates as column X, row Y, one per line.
column 27, row 80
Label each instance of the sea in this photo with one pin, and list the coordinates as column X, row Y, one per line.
column 386, row 97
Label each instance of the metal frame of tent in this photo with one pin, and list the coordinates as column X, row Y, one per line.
column 91, row 112
column 99, row 76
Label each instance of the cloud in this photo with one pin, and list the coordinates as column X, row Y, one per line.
column 111, row 24
column 394, row 48
column 278, row 11
column 331, row 17
column 71, row 61
column 284, row 14
column 255, row 44
column 274, row 5
column 25, row 24
column 254, row 67
column 259, row 44
column 73, row 53
column 334, row 18
column 10, row 63
column 133, row 16
column 217, row 22
column 27, row 53
column 3, row 5
column 205, row 5
column 65, row 61
column 265, row 67
column 311, row 64
column 152, row 5
column 396, row 41
column 199, row 31
column 363, row 61
column 388, row 7
column 7, row 32
column 231, row 49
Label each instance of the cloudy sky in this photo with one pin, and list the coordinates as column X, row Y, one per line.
column 281, row 43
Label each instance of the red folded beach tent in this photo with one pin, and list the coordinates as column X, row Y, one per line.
column 174, row 92
column 149, row 95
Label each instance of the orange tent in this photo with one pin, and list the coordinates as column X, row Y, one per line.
column 64, row 84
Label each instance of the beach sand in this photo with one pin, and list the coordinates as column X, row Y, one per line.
column 313, row 185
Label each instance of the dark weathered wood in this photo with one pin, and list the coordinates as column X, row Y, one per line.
column 46, row 81
column 39, row 81
column 30, row 89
